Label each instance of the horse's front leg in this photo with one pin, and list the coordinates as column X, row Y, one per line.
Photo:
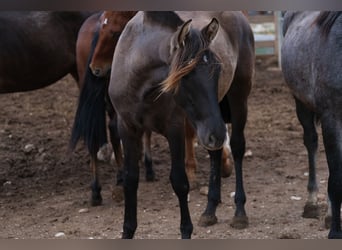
column 238, row 146
column 132, row 145
column 214, row 195
column 179, row 179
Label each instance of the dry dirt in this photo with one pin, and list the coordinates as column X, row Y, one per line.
column 45, row 191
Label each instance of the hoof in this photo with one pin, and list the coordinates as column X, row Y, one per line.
column 335, row 235
column 239, row 222
column 118, row 194
column 96, row 200
column 327, row 221
column 311, row 211
column 207, row 220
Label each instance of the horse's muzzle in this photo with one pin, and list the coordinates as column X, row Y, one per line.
column 212, row 138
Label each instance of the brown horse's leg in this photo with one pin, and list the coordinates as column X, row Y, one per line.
column 96, row 198
column 227, row 160
column 190, row 159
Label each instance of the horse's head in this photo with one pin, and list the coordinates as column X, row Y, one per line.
column 193, row 79
column 111, row 24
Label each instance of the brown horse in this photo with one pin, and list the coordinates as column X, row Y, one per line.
column 172, row 66
column 107, row 27
column 312, row 63
column 37, row 48
column 97, row 39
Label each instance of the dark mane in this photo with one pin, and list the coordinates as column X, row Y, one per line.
column 326, row 20
column 165, row 18
column 288, row 18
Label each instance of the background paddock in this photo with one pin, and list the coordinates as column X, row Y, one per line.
column 44, row 191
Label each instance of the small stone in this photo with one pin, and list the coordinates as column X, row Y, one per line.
column 295, row 198
column 83, row 210
column 248, row 153
column 60, row 235
column 7, row 183
column 29, row 148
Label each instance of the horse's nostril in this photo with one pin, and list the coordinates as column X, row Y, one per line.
column 212, row 139
column 97, row 72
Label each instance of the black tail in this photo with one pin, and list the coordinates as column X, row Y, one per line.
column 90, row 118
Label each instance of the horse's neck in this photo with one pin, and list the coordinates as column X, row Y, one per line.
column 72, row 20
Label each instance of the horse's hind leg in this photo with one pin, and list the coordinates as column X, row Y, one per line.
column 150, row 175
column 227, row 160
column 307, row 120
column 190, row 159
column 117, row 192
column 132, row 145
column 332, row 137
column 96, row 198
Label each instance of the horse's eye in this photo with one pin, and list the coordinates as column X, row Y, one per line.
column 205, row 59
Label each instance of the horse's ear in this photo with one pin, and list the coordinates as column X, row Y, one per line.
column 178, row 38
column 209, row 32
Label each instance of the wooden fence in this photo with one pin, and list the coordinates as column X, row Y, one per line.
column 269, row 46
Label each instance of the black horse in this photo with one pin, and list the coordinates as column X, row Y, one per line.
column 169, row 67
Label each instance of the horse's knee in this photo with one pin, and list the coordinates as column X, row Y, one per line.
column 180, row 184
column 150, row 174
column 131, row 180
column 238, row 145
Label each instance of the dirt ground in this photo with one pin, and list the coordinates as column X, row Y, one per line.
column 45, row 191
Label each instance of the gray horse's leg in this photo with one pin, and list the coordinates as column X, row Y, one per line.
column 332, row 137
column 307, row 120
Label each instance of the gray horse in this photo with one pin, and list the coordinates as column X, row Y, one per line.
column 312, row 64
